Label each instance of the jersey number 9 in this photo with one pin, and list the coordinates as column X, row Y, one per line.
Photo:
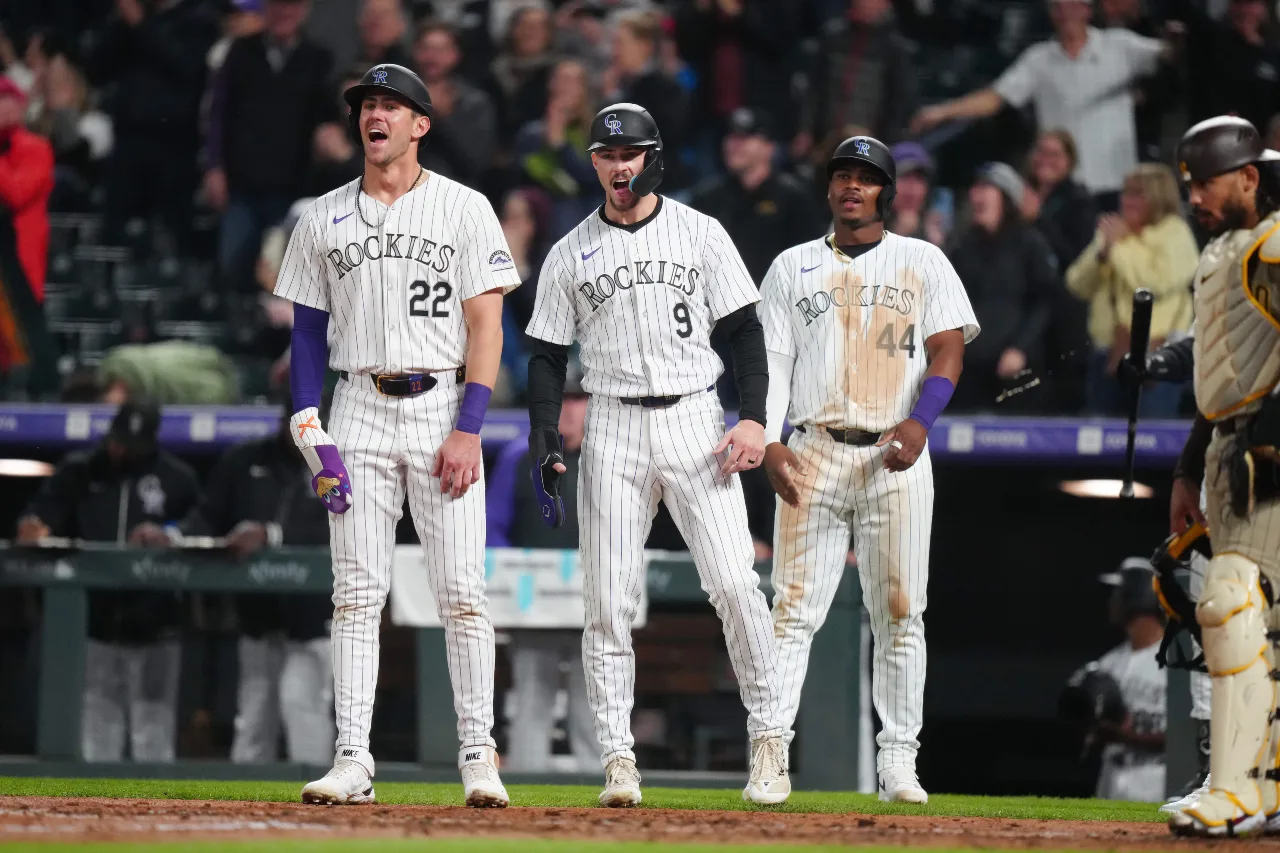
column 420, row 291
column 684, row 323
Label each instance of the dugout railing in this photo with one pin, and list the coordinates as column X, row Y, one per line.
column 829, row 724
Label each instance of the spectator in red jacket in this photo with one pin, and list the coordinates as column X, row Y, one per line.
column 26, row 180
column 27, row 361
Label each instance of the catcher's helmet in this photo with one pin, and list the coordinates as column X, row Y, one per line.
column 391, row 80
column 622, row 125
column 874, row 153
column 1218, row 145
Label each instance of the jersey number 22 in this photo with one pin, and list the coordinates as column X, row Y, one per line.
column 420, row 291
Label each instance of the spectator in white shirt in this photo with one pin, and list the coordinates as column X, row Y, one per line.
column 1082, row 80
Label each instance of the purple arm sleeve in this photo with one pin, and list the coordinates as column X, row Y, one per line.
column 475, row 402
column 308, row 356
column 934, row 396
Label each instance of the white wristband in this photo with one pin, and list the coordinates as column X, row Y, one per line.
column 306, row 429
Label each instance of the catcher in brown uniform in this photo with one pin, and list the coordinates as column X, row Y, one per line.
column 1232, row 186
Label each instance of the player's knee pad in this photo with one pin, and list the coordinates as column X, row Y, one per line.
column 1232, row 615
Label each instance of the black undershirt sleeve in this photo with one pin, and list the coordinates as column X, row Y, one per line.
column 750, row 361
column 548, row 367
column 1191, row 463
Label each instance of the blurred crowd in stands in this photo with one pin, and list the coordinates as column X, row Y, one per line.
column 154, row 155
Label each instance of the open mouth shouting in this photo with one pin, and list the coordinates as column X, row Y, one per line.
column 622, row 189
column 377, row 135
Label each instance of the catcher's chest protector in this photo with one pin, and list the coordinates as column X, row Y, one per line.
column 1237, row 341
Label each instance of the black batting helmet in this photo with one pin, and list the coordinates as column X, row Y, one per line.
column 871, row 152
column 392, row 80
column 1218, row 145
column 1132, row 589
column 622, row 125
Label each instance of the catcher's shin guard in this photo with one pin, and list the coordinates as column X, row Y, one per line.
column 1232, row 617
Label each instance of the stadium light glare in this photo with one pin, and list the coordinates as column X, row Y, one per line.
column 1102, row 488
column 24, row 468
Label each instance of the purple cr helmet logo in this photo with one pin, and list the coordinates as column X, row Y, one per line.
column 380, row 76
column 864, row 148
column 614, row 124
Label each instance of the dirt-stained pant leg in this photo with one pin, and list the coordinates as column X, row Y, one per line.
column 810, row 549
column 892, row 523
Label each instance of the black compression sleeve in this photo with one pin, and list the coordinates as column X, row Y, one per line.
column 1191, row 463
column 1173, row 362
column 548, row 367
column 750, row 361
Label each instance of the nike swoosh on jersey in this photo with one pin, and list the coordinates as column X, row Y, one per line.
column 804, row 270
column 338, row 219
column 586, row 256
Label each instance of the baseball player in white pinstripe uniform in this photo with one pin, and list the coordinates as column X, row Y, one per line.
column 640, row 283
column 412, row 268
column 866, row 333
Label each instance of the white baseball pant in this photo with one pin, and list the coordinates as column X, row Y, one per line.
column 388, row 445
column 535, row 670
column 131, row 696
column 632, row 458
column 845, row 489
column 284, row 682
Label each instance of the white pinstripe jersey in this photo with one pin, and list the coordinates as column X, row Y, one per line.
column 642, row 301
column 856, row 327
column 395, row 292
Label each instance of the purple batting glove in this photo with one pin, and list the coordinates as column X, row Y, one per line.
column 331, row 482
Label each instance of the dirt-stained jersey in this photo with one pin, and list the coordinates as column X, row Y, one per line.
column 856, row 327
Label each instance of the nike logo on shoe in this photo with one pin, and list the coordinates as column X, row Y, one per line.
column 338, row 219
column 471, row 756
column 348, row 753
column 587, row 255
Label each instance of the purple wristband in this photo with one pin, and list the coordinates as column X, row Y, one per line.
column 475, row 401
column 934, row 396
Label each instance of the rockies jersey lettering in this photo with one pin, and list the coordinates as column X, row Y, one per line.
column 642, row 301
column 393, row 278
column 856, row 327
column 864, row 296
column 372, row 249
column 624, row 277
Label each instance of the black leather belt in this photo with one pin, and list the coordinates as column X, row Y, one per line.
column 404, row 384
column 855, row 437
column 658, row 402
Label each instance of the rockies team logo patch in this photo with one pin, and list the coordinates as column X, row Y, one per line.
column 863, row 147
column 380, row 76
column 499, row 259
column 614, row 124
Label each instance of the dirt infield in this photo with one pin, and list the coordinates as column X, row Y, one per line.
column 96, row 819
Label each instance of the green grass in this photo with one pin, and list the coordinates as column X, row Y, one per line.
column 562, row 796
